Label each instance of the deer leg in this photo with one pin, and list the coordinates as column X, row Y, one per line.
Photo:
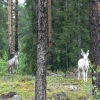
column 8, row 69
column 12, row 70
column 86, row 75
column 78, row 74
column 83, row 72
column 17, row 69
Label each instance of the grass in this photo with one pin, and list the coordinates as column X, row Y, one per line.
column 25, row 87
column 19, row 84
column 63, row 85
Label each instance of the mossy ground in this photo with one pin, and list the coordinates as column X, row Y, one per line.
column 25, row 87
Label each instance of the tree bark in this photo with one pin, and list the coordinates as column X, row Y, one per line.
column 10, row 29
column 79, row 34
column 67, row 61
column 16, row 25
column 50, row 34
column 41, row 50
column 94, row 31
column 95, row 45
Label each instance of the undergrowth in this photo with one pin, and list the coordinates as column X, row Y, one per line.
column 25, row 87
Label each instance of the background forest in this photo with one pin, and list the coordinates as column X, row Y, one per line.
column 70, row 33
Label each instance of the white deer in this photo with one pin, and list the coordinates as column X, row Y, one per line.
column 83, row 65
column 13, row 64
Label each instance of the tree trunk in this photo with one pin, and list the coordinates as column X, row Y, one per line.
column 10, row 29
column 79, row 44
column 79, row 34
column 94, row 31
column 16, row 25
column 67, row 61
column 41, row 50
column 95, row 45
column 50, row 34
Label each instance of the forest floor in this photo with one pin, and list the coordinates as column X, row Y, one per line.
column 59, row 87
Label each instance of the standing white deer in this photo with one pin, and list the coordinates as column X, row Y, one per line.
column 13, row 64
column 83, row 65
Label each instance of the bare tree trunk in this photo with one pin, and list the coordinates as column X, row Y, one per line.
column 16, row 25
column 67, row 61
column 50, row 34
column 79, row 34
column 66, row 7
column 41, row 50
column 10, row 29
column 79, row 44
column 95, row 44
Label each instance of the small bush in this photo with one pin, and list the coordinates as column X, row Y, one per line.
column 3, row 67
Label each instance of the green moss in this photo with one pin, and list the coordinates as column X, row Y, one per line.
column 51, row 94
column 25, row 87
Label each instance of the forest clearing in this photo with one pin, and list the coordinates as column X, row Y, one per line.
column 58, row 87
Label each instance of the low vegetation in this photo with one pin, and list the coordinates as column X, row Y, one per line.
column 24, row 86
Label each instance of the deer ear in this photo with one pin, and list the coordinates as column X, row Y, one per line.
column 82, row 53
column 88, row 52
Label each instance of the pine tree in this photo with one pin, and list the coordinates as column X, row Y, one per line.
column 50, row 62
column 41, row 50
column 10, row 30
column 16, row 26
column 95, row 45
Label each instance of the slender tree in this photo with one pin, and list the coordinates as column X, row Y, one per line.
column 16, row 25
column 41, row 50
column 10, row 29
column 67, row 43
column 3, row 28
column 50, row 34
column 95, row 45
column 79, row 33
